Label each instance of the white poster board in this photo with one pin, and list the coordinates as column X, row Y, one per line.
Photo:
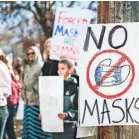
column 109, row 77
column 51, row 102
column 85, row 132
column 20, row 110
column 68, row 22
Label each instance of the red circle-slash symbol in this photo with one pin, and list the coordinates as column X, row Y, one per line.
column 95, row 87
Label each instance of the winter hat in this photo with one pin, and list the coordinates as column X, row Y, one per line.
column 18, row 60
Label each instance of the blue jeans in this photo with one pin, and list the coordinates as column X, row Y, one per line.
column 3, row 118
column 9, row 129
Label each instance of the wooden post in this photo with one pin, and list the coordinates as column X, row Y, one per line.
column 103, row 10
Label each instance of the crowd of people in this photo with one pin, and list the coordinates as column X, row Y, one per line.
column 21, row 80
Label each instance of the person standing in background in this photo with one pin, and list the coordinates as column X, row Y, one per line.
column 50, row 67
column 12, row 104
column 18, row 69
column 5, row 92
column 30, row 95
column 18, row 73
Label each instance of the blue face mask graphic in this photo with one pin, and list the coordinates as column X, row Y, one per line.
column 117, row 77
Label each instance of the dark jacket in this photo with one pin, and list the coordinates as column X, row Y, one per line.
column 71, row 101
column 50, row 67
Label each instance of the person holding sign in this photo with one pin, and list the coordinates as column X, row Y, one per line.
column 31, row 122
column 70, row 115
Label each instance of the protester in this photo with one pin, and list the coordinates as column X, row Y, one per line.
column 18, row 68
column 12, row 103
column 18, row 74
column 70, row 115
column 50, row 67
column 31, row 122
column 5, row 92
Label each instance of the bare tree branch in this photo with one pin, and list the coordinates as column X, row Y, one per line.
column 62, row 3
column 52, row 4
column 28, row 8
column 38, row 9
column 48, row 4
column 71, row 4
column 45, row 5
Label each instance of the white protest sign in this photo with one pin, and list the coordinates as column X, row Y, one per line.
column 51, row 102
column 68, row 22
column 85, row 132
column 109, row 77
column 20, row 110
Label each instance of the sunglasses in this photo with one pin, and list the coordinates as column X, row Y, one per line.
column 31, row 53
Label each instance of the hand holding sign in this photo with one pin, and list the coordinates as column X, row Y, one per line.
column 62, row 116
column 117, row 77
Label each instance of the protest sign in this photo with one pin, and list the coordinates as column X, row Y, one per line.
column 68, row 22
column 108, row 69
column 85, row 132
column 51, row 102
column 20, row 110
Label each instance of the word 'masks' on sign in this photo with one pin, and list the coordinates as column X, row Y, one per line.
column 109, row 75
column 67, row 30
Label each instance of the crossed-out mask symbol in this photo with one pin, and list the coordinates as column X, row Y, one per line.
column 110, row 74
column 117, row 77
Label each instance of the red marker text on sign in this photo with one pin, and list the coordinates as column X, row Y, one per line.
column 65, row 19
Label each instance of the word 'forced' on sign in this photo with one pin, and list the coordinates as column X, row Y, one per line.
column 64, row 18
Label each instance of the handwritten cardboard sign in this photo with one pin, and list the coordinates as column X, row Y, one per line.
column 109, row 75
column 68, row 22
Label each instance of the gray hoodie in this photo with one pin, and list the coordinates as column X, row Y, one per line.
column 31, row 75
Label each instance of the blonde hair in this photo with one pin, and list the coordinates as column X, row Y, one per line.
column 5, row 60
column 1, row 52
column 3, row 57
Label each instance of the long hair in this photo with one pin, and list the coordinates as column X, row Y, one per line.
column 4, row 59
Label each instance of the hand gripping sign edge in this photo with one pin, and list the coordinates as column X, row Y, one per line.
column 94, row 88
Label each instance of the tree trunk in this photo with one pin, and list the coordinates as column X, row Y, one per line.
column 47, row 30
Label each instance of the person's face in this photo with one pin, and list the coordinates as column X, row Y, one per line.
column 31, row 55
column 47, row 46
column 47, row 50
column 15, row 63
column 64, row 71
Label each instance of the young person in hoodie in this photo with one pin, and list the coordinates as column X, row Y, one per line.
column 5, row 92
column 31, row 122
column 70, row 115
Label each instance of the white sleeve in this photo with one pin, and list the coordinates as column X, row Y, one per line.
column 5, row 81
